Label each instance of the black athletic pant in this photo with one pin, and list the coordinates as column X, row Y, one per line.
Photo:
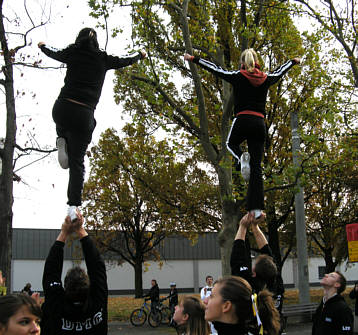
column 75, row 123
column 251, row 128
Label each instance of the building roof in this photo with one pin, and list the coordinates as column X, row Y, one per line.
column 35, row 244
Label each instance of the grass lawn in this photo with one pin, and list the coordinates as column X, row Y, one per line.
column 120, row 308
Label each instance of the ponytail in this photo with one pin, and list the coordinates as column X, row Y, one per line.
column 249, row 59
column 268, row 313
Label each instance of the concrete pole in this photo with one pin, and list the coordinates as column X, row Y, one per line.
column 301, row 237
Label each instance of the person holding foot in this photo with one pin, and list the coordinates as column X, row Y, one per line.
column 73, row 111
column 250, row 87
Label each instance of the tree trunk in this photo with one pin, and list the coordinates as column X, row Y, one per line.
column 138, row 279
column 6, row 183
column 328, row 258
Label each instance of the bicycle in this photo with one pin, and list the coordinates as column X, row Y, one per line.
column 140, row 315
column 165, row 311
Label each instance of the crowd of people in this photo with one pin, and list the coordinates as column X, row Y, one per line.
column 247, row 302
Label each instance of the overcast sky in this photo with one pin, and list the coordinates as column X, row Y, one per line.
column 40, row 200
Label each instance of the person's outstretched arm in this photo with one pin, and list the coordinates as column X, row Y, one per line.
column 96, row 268
column 115, row 62
column 229, row 76
column 277, row 74
column 51, row 280
column 60, row 55
column 240, row 260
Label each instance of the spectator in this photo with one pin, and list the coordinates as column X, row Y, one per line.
column 234, row 309
column 19, row 314
column 173, row 296
column 354, row 295
column 205, row 293
column 80, row 306
column 333, row 316
column 189, row 317
column 27, row 289
column 153, row 295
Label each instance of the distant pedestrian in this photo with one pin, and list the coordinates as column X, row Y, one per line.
column 153, row 295
column 205, row 293
column 333, row 316
column 73, row 111
column 354, row 295
column 189, row 317
column 173, row 296
column 27, row 289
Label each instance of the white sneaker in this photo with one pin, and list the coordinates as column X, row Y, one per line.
column 257, row 213
column 245, row 166
column 62, row 152
column 72, row 213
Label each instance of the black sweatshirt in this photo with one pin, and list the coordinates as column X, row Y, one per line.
column 241, row 266
column 334, row 317
column 86, row 70
column 62, row 316
column 250, row 88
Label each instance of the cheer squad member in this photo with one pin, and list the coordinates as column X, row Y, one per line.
column 234, row 309
column 189, row 316
column 19, row 314
column 250, row 86
column 73, row 111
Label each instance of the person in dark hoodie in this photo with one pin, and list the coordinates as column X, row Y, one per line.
column 333, row 315
column 80, row 305
column 354, row 295
column 153, row 295
column 250, row 87
column 234, row 309
column 73, row 111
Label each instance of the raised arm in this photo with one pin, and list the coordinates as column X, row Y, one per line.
column 277, row 74
column 259, row 236
column 115, row 62
column 60, row 55
column 229, row 76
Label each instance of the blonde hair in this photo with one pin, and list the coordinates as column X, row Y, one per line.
column 248, row 59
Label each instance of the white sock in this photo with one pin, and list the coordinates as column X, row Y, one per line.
column 257, row 212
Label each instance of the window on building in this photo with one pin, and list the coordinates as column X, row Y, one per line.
column 321, row 272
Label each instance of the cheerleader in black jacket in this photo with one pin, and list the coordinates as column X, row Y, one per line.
column 73, row 111
column 250, row 87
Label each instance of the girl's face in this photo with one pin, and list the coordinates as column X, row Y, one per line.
column 214, row 305
column 22, row 323
column 179, row 316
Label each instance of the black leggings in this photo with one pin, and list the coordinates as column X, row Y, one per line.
column 75, row 123
column 251, row 128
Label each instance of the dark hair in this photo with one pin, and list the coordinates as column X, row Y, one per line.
column 265, row 269
column 342, row 280
column 155, row 281
column 208, row 276
column 77, row 285
column 87, row 39
column 196, row 324
column 11, row 304
column 238, row 291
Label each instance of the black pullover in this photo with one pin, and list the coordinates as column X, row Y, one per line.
column 64, row 317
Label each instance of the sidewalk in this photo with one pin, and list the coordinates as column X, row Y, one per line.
column 124, row 328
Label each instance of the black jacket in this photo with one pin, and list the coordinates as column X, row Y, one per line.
column 250, row 89
column 333, row 318
column 153, row 293
column 86, row 70
column 173, row 297
column 354, row 295
column 241, row 265
column 230, row 329
column 63, row 317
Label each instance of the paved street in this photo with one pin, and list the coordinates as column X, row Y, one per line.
column 120, row 328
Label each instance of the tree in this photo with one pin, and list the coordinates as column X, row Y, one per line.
column 339, row 19
column 10, row 57
column 139, row 191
